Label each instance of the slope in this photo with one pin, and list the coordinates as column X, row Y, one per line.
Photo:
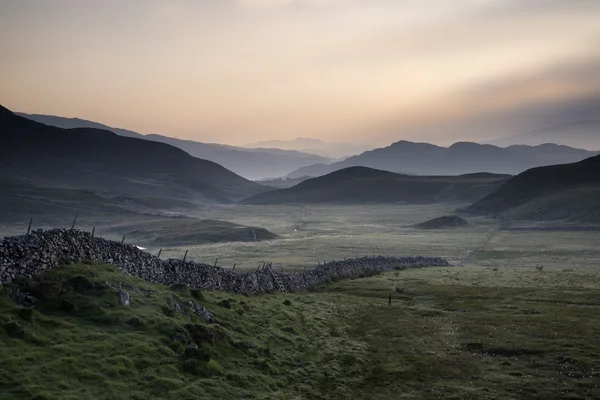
column 460, row 158
column 365, row 185
column 93, row 159
column 566, row 191
column 249, row 163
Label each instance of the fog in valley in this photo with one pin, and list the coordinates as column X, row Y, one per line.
column 300, row 200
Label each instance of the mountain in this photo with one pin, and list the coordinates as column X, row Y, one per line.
column 366, row 185
column 110, row 165
column 313, row 146
column 460, row 158
column 249, row 163
column 583, row 134
column 557, row 192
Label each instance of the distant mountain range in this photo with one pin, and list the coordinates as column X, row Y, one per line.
column 583, row 134
column 313, row 146
column 35, row 154
column 460, row 158
column 249, row 163
column 557, row 192
column 358, row 185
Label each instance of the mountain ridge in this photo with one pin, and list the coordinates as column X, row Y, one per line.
column 101, row 160
column 460, row 158
column 583, row 133
column 249, row 163
column 563, row 191
column 360, row 185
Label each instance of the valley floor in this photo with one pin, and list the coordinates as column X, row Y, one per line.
column 498, row 328
column 518, row 321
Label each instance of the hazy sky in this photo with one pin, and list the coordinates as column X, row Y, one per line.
column 238, row 71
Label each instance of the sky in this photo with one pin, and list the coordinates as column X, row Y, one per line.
column 363, row 71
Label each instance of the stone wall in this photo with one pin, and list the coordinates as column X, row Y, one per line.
column 31, row 254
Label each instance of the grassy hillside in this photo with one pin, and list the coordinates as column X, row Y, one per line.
column 452, row 333
column 366, row 185
column 99, row 160
column 568, row 191
column 187, row 231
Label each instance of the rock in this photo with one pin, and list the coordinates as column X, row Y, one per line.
column 124, row 297
column 201, row 311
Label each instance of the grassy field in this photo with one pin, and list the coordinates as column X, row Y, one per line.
column 450, row 333
column 324, row 233
column 518, row 321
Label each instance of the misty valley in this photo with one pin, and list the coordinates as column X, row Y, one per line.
column 132, row 269
column 299, row 200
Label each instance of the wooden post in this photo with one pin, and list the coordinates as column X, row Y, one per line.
column 257, row 268
column 233, row 269
column 390, row 300
column 160, row 251
column 185, row 256
column 123, row 241
column 93, row 231
column 216, row 262
column 29, row 229
column 75, row 220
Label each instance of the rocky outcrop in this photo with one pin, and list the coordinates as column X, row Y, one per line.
column 30, row 255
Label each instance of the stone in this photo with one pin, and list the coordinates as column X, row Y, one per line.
column 124, row 297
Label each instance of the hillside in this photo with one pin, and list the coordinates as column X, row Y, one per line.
column 460, row 158
column 111, row 165
column 583, row 134
column 366, row 185
column 566, row 191
column 250, row 163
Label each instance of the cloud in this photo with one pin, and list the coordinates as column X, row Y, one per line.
column 240, row 70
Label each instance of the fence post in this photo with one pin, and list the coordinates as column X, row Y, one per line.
column 75, row 220
column 216, row 262
column 29, row 229
column 123, row 241
column 185, row 256
column 93, row 231
column 160, row 251
column 233, row 269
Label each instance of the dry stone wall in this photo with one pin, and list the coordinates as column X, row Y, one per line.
column 31, row 254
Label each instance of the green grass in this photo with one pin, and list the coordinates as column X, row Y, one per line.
column 84, row 344
column 498, row 328
column 460, row 332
